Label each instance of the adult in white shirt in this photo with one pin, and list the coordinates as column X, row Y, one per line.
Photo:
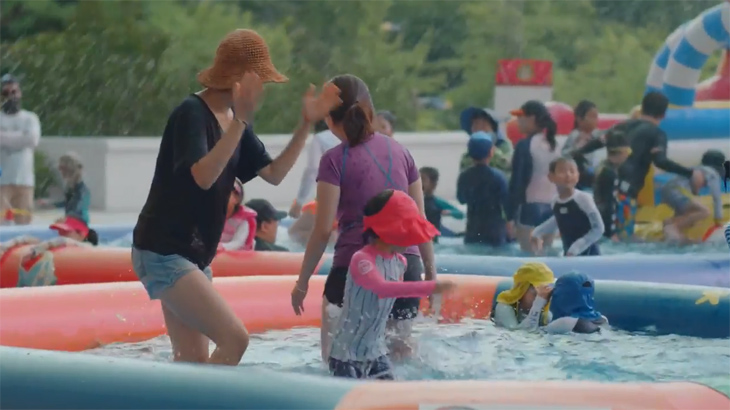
column 323, row 140
column 20, row 132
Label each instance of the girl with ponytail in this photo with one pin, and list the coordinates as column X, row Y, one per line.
column 531, row 192
column 361, row 167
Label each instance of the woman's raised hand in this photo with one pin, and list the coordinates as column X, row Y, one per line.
column 316, row 107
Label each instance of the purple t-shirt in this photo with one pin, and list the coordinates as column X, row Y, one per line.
column 361, row 173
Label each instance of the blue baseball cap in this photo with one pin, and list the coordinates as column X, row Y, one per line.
column 480, row 145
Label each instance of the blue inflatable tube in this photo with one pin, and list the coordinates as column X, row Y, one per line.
column 36, row 379
column 698, row 123
column 704, row 270
column 107, row 233
column 661, row 309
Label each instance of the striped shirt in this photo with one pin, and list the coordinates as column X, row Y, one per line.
column 727, row 234
column 374, row 281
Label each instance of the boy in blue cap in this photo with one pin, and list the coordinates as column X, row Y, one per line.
column 484, row 191
column 475, row 119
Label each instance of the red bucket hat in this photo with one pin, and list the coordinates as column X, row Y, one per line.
column 71, row 224
column 400, row 223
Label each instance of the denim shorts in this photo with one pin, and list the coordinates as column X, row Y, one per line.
column 533, row 214
column 675, row 197
column 160, row 272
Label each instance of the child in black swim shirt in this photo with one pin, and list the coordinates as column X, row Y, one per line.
column 575, row 214
column 606, row 185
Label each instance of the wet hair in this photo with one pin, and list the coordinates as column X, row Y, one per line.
column 356, row 111
column 581, row 110
column 320, row 126
column 716, row 160
column 654, row 104
column 560, row 160
column 431, row 173
column 372, row 207
column 92, row 237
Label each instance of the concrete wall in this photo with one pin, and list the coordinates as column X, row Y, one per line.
column 119, row 170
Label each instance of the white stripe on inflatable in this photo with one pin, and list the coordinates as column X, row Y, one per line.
column 655, row 79
column 676, row 75
column 681, row 76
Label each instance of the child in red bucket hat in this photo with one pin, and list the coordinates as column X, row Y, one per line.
column 392, row 223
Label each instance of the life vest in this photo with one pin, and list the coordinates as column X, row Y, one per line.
column 243, row 215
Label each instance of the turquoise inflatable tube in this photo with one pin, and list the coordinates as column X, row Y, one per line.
column 36, row 379
column 696, row 311
column 703, row 269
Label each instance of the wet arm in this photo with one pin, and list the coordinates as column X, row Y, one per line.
column 660, row 160
column 713, row 182
column 505, row 316
column 275, row 172
column 546, row 228
column 365, row 274
column 444, row 205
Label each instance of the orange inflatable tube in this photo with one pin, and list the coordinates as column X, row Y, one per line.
column 551, row 395
column 75, row 318
column 101, row 265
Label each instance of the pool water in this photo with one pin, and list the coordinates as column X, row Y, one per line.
column 476, row 349
column 456, row 246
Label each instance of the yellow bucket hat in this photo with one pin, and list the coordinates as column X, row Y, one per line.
column 529, row 274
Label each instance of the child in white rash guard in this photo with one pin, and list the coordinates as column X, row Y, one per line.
column 375, row 279
column 575, row 214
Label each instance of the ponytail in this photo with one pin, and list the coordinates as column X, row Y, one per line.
column 355, row 114
column 356, row 124
column 547, row 123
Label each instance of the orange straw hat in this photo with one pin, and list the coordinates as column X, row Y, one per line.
column 240, row 51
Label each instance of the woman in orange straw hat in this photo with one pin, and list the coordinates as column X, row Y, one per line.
column 207, row 143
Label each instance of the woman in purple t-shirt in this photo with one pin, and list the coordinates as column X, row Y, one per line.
column 365, row 164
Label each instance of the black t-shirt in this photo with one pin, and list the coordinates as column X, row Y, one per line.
column 179, row 217
column 262, row 245
column 648, row 145
column 604, row 194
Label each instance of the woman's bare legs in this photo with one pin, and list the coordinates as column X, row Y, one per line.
column 193, row 309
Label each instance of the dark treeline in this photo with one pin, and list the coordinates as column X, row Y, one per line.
column 118, row 67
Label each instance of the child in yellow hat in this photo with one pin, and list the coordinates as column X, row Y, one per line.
column 525, row 306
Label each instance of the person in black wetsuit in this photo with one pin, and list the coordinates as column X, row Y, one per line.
column 648, row 145
column 606, row 182
column 484, row 191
